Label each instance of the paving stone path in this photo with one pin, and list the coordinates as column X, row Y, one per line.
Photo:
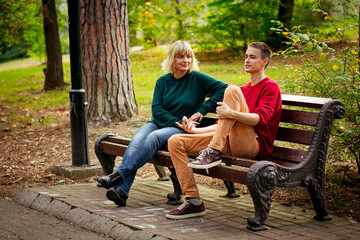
column 144, row 215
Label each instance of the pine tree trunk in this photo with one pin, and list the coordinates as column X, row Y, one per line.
column 54, row 71
column 106, row 60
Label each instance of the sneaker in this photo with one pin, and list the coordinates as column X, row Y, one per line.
column 117, row 196
column 207, row 158
column 187, row 210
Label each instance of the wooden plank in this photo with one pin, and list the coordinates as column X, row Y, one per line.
column 225, row 172
column 162, row 158
column 111, row 148
column 283, row 163
column 294, row 135
column 299, row 117
column 302, row 101
column 237, row 161
column 119, row 139
column 289, row 155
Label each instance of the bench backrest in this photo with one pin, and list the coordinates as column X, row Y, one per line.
column 297, row 126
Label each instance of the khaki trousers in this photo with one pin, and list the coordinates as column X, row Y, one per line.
column 231, row 138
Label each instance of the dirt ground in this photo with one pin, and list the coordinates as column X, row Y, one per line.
column 27, row 156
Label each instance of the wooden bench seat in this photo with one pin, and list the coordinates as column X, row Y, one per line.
column 298, row 159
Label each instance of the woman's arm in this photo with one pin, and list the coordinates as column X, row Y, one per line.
column 214, row 87
column 190, row 126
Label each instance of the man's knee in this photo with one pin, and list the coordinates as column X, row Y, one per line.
column 232, row 89
column 174, row 142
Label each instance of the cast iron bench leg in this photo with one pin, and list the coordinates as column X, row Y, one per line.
column 107, row 161
column 262, row 178
column 231, row 189
column 317, row 195
column 174, row 198
column 160, row 170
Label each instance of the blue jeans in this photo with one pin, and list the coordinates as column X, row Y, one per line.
column 142, row 147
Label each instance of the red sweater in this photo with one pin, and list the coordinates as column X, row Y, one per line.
column 264, row 99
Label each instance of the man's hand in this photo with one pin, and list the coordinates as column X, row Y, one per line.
column 196, row 117
column 188, row 125
column 223, row 110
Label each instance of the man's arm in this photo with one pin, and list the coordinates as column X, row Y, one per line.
column 223, row 111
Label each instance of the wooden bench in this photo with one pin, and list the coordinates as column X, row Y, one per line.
column 298, row 159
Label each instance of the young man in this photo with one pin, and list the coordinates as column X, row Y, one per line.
column 249, row 117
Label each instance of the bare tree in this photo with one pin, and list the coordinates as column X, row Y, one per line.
column 106, row 60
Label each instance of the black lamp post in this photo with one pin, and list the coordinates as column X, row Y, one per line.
column 79, row 131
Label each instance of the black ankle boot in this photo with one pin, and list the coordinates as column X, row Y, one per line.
column 109, row 180
column 117, row 196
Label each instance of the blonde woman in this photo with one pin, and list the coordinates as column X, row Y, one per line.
column 180, row 92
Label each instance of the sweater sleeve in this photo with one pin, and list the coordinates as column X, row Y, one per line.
column 159, row 114
column 267, row 104
column 214, row 87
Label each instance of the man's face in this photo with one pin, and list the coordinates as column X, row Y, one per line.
column 253, row 61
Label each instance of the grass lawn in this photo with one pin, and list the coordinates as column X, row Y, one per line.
column 22, row 84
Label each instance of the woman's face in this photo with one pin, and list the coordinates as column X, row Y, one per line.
column 182, row 62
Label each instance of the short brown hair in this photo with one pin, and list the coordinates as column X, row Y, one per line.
column 264, row 48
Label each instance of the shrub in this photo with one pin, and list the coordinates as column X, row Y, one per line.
column 330, row 70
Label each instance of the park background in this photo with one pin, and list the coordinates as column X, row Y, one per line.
column 316, row 53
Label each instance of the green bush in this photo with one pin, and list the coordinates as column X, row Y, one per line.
column 330, row 70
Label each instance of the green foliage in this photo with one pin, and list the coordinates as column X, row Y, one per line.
column 303, row 14
column 63, row 25
column 21, row 28
column 143, row 16
column 155, row 22
column 329, row 72
column 233, row 24
column 21, row 22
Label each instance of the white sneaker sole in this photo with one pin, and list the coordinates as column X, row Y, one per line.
column 204, row 166
column 185, row 216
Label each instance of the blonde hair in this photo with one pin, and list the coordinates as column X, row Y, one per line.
column 179, row 47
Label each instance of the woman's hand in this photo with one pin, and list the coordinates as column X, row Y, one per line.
column 223, row 110
column 188, row 125
column 196, row 117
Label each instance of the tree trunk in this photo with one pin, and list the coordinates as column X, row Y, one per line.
column 106, row 60
column 180, row 31
column 54, row 71
column 286, row 8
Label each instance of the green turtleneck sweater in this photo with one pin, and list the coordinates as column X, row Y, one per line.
column 174, row 98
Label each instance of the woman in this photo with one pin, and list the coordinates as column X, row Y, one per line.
column 180, row 92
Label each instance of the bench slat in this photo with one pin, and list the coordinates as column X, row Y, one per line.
column 299, row 117
column 221, row 172
column 231, row 174
column 288, row 155
column 119, row 139
column 302, row 101
column 111, row 148
column 237, row 161
column 294, row 135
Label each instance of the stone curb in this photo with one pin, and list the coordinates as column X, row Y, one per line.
column 82, row 217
